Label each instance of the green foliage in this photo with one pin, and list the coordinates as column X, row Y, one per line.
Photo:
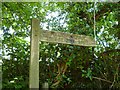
column 68, row 66
column 87, row 74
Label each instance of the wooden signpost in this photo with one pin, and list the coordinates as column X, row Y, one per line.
column 53, row 37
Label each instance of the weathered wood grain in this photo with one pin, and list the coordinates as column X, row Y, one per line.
column 66, row 38
column 34, row 55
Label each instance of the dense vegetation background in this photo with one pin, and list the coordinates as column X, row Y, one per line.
column 62, row 66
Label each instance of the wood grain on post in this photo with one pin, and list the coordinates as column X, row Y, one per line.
column 34, row 55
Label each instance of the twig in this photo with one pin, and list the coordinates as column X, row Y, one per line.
column 115, row 76
column 102, row 79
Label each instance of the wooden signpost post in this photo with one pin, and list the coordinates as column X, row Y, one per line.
column 53, row 37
